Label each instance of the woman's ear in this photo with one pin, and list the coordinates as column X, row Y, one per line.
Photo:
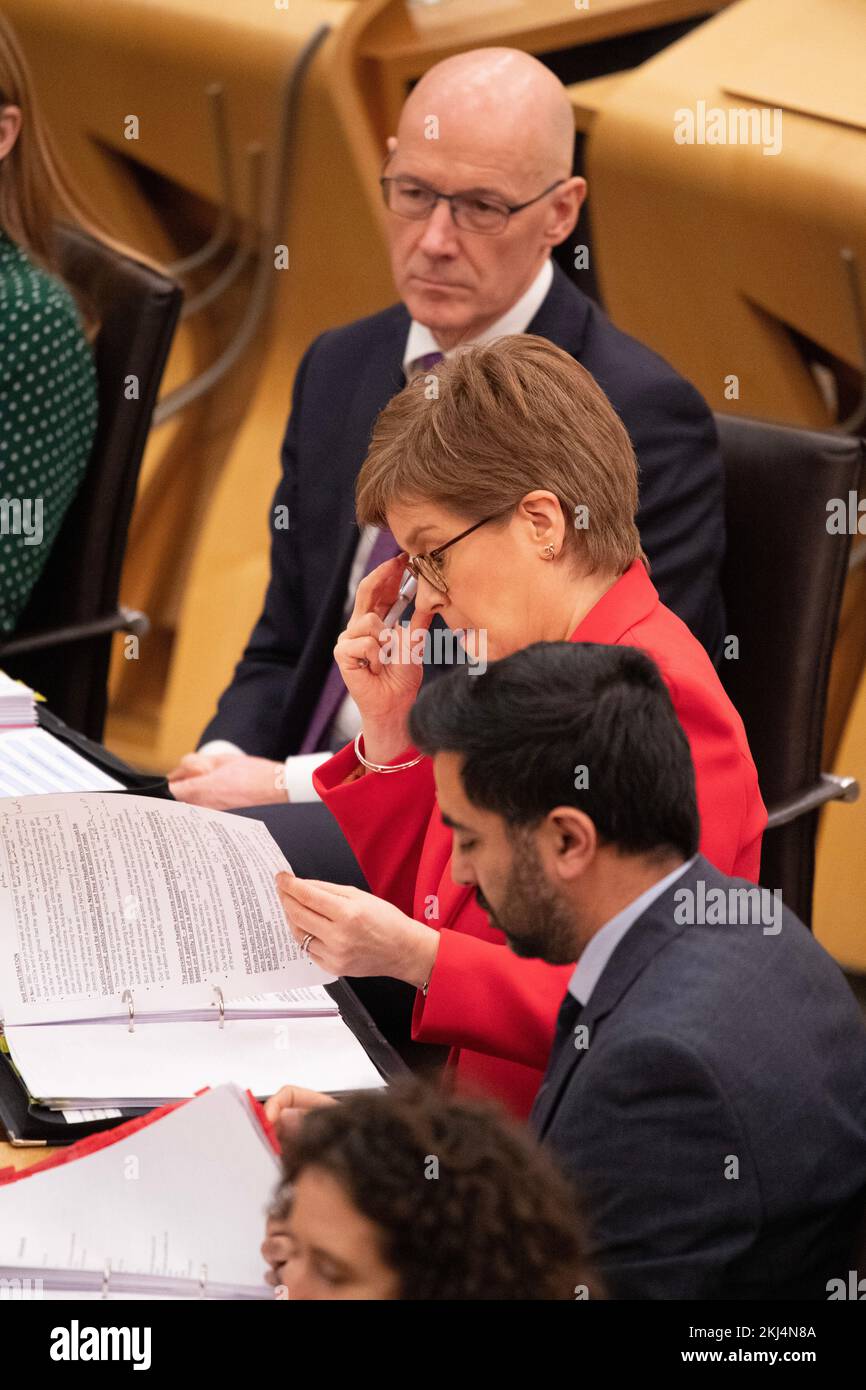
column 544, row 512
column 10, row 127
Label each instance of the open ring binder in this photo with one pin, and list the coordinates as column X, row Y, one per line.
column 128, row 998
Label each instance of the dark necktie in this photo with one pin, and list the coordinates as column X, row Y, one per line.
column 425, row 363
column 559, row 1060
column 333, row 691
column 566, row 1022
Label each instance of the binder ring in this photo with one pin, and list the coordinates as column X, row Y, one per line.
column 221, row 1003
column 127, row 999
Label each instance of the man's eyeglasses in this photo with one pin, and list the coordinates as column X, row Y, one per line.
column 408, row 198
column 429, row 566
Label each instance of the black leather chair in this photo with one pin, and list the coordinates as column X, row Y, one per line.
column 783, row 578
column 62, row 644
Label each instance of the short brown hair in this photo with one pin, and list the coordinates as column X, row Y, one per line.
column 516, row 415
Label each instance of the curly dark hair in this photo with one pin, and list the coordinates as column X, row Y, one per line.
column 494, row 1219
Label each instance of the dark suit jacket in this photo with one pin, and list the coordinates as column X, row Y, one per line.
column 707, row 1044
column 345, row 378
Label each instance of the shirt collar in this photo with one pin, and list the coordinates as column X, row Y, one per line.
column 599, row 950
column 515, row 320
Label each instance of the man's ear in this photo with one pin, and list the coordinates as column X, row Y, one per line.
column 565, row 210
column 572, row 840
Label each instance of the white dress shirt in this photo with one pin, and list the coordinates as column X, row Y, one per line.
column 420, row 341
column 598, row 952
column 515, row 320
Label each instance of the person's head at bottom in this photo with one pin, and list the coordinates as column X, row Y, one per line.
column 568, row 784
column 412, row 1194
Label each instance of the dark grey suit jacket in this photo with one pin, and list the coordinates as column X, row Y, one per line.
column 715, row 1122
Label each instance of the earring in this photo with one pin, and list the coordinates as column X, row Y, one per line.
column 548, row 552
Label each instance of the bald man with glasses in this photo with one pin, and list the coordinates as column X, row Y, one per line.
column 479, row 187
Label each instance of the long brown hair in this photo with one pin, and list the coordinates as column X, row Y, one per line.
column 35, row 190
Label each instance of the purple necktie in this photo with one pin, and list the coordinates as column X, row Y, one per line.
column 334, row 690
column 424, row 364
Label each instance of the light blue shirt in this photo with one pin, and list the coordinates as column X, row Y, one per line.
column 602, row 946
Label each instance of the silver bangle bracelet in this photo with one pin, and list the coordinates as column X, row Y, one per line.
column 379, row 767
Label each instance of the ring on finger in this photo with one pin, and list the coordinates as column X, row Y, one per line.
column 306, row 943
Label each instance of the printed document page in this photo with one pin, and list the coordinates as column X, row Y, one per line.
column 101, row 894
column 33, row 760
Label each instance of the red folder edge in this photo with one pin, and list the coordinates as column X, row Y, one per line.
column 94, row 1142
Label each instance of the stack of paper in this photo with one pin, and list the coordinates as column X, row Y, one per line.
column 93, row 1065
column 17, row 702
column 34, row 761
column 174, row 1209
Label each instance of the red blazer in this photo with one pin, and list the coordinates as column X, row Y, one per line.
column 496, row 1011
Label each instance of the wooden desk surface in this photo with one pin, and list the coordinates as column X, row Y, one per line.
column 11, row 1157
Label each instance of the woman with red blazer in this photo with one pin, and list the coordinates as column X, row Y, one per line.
column 511, row 484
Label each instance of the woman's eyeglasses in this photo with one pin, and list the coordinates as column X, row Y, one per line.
column 429, row 566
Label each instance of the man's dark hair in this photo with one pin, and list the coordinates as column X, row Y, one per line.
column 527, row 725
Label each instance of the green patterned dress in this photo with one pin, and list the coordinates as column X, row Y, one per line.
column 48, row 408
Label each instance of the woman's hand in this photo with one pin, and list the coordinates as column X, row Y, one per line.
column 382, row 667
column 289, row 1105
column 356, row 933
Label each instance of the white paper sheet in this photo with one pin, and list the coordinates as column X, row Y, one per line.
column 17, row 702
column 84, row 1064
column 88, row 1116
column 182, row 1198
column 34, row 761
column 103, row 894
